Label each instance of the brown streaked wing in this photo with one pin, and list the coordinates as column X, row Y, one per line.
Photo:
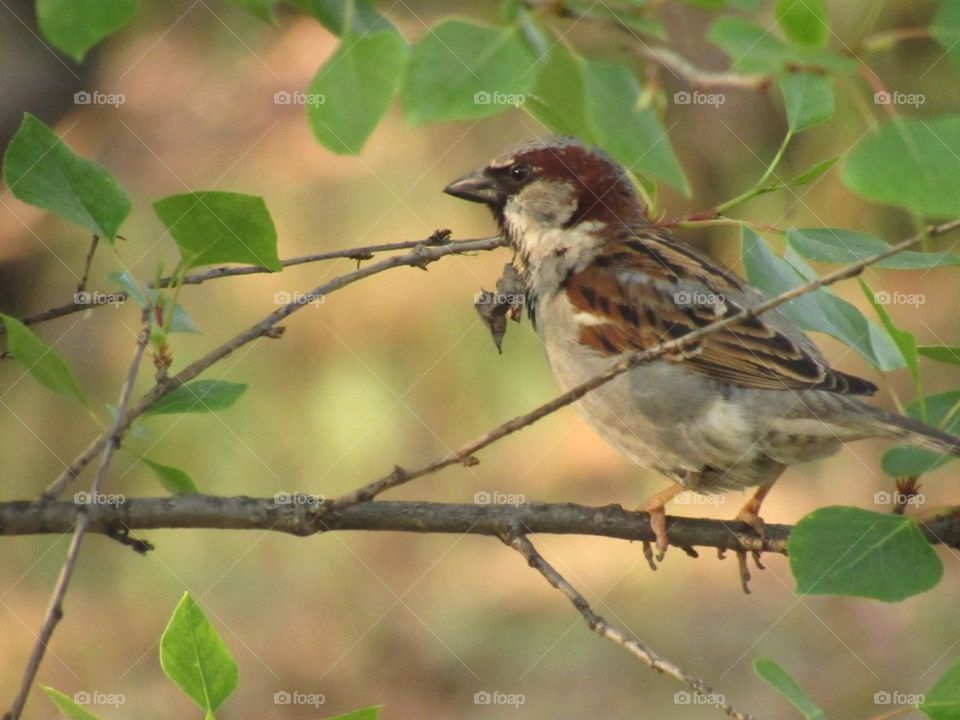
column 636, row 316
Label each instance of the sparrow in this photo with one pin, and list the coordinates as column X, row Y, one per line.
column 732, row 410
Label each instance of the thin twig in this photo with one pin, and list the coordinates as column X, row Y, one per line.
column 82, row 285
column 55, row 608
column 465, row 454
column 599, row 625
column 420, row 256
column 215, row 273
column 697, row 77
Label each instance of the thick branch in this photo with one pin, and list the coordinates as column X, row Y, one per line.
column 296, row 517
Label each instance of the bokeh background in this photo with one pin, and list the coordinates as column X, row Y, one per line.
column 398, row 369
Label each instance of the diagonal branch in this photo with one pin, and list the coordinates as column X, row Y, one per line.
column 599, row 625
column 420, row 256
column 82, row 519
column 465, row 454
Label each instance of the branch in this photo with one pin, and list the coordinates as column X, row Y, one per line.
column 55, row 608
column 293, row 515
column 697, row 77
column 465, row 454
column 361, row 253
column 421, row 256
column 666, row 58
column 599, row 625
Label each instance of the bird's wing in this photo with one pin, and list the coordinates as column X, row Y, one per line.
column 645, row 289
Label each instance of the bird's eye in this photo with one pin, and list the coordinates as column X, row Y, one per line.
column 519, row 173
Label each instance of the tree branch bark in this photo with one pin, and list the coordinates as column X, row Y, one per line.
column 295, row 515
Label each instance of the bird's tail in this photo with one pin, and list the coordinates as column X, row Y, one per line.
column 914, row 432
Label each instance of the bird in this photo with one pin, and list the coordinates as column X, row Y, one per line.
column 734, row 408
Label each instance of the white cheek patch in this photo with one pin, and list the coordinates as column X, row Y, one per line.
column 551, row 204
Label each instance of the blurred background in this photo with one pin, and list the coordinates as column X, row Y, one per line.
column 398, row 369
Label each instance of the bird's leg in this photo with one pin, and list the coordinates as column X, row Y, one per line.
column 750, row 512
column 653, row 505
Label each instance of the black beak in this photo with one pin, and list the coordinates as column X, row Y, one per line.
column 475, row 187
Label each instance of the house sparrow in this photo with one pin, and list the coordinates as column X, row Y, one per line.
column 731, row 411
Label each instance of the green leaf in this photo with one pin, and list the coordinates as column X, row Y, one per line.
column 814, row 172
column 754, row 49
column 75, row 26
column 70, row 708
column 463, row 71
column 42, row 171
column 354, row 88
column 942, row 700
column 174, row 480
column 945, row 28
column 335, row 14
column 843, row 247
column 198, row 396
column 263, row 9
column 630, row 132
column 777, row 677
column 817, row 311
column 628, row 18
column 180, row 322
column 808, row 99
column 557, row 97
column 803, row 21
column 910, row 163
column 941, row 353
column 849, row 551
column 718, row 4
column 217, row 227
column 905, row 341
column 886, row 356
column 370, row 713
column 41, row 360
column 906, row 461
column 195, row 657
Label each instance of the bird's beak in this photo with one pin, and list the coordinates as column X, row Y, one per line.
column 475, row 187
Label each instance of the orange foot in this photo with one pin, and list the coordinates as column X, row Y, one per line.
column 750, row 512
column 654, row 506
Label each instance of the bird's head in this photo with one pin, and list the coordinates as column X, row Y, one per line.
column 541, row 189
